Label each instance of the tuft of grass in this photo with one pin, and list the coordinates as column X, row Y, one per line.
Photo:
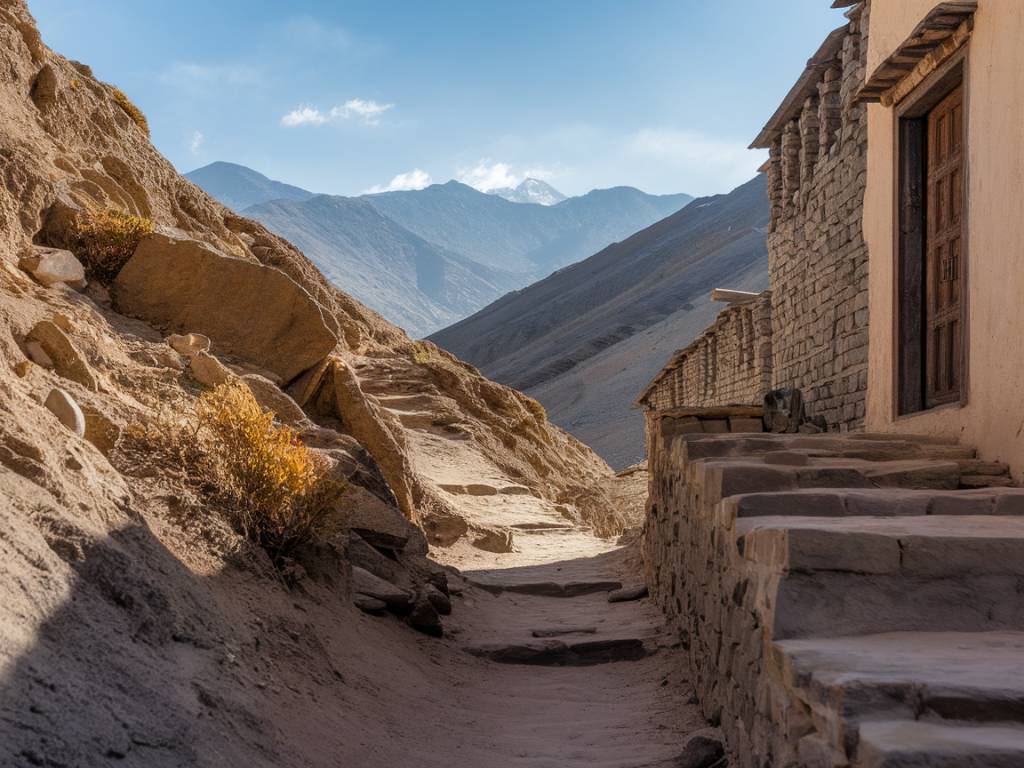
column 130, row 109
column 535, row 409
column 107, row 238
column 273, row 489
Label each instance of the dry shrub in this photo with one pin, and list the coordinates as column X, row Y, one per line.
column 107, row 238
column 535, row 408
column 274, row 490
column 130, row 109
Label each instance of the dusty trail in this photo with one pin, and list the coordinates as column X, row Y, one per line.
column 556, row 676
column 597, row 688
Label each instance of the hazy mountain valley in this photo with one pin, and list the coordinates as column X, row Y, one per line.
column 585, row 340
column 428, row 258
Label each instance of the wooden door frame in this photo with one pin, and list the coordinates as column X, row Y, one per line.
column 910, row 119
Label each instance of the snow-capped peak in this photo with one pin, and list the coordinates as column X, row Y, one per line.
column 531, row 191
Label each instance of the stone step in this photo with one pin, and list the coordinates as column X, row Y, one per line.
column 545, row 588
column 830, row 577
column 849, row 681
column 408, row 402
column 873, row 502
column 727, row 478
column 866, row 446
column 421, row 419
column 906, row 744
column 556, row 653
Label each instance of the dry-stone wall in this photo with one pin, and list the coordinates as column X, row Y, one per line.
column 817, row 255
column 730, row 363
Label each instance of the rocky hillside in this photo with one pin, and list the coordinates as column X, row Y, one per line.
column 143, row 621
column 585, row 340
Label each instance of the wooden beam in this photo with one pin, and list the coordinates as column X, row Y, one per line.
column 733, row 297
column 945, row 28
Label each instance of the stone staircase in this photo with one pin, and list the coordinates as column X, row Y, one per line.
column 846, row 602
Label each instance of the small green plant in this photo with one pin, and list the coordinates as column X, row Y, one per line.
column 422, row 357
column 107, row 238
column 272, row 488
column 130, row 109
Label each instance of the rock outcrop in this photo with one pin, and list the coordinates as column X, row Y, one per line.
column 253, row 311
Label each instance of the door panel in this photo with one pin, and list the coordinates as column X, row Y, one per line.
column 943, row 241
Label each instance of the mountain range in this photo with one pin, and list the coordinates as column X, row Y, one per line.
column 585, row 340
column 428, row 258
column 530, row 191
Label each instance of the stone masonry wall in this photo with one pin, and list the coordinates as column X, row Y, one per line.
column 710, row 598
column 730, row 363
column 817, row 256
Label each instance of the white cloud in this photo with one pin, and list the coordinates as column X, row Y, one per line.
column 304, row 116
column 487, row 175
column 197, row 142
column 367, row 112
column 414, row 179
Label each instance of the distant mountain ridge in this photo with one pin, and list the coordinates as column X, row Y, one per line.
column 428, row 258
column 530, row 191
column 532, row 239
column 587, row 338
column 239, row 187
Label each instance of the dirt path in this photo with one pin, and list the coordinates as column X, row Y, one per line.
column 564, row 681
column 547, row 673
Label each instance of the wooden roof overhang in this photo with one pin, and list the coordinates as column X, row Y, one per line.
column 946, row 26
column 806, row 86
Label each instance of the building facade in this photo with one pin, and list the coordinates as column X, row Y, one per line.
column 944, row 222
column 896, row 243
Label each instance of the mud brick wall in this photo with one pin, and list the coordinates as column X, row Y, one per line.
column 731, row 362
column 817, row 255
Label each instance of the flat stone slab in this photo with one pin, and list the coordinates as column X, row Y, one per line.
column 878, row 503
column 555, row 653
column 929, row 546
column 952, row 675
column 909, row 744
column 549, row 588
column 563, row 631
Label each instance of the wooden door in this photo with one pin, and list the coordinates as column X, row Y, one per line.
column 943, row 324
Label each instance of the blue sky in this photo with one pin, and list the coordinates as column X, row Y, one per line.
column 344, row 97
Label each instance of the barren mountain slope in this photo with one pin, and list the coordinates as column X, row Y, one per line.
column 416, row 284
column 135, row 625
column 586, row 339
column 239, row 187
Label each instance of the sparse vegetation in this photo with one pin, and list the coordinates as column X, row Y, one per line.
column 273, row 489
column 535, row 408
column 107, row 238
column 130, row 109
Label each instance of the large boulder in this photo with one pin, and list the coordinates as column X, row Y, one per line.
column 251, row 311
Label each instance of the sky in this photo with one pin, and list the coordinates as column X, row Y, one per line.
column 351, row 96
